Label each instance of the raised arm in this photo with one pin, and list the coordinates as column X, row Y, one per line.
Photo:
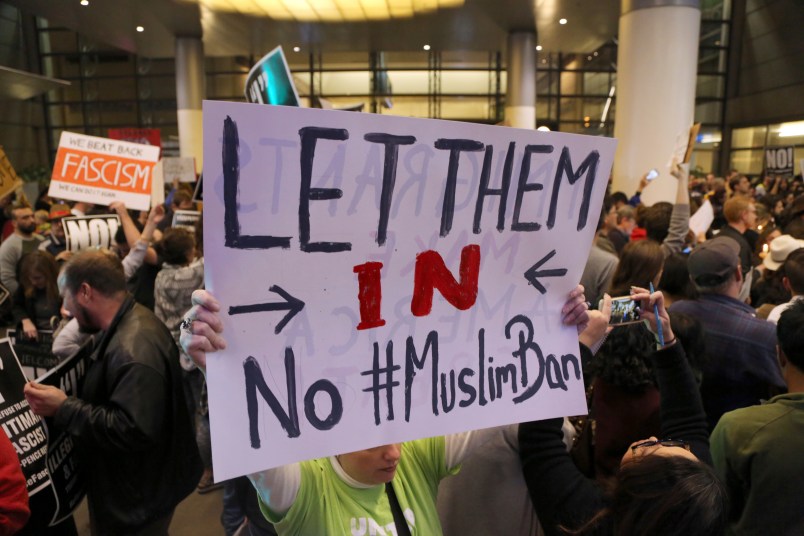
column 133, row 235
column 680, row 217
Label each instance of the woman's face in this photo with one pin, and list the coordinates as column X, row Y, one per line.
column 654, row 450
column 38, row 280
column 778, row 208
column 372, row 466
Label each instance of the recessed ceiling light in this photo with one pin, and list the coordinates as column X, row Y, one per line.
column 140, row 29
column 544, row 61
column 84, row 2
column 562, row 21
column 538, row 47
column 426, row 47
column 589, row 58
column 595, row 53
column 296, row 49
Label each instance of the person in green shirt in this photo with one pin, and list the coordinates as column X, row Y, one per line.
column 353, row 493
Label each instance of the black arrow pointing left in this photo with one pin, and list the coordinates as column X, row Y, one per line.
column 291, row 305
column 533, row 272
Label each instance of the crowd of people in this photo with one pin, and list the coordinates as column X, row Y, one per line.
column 696, row 402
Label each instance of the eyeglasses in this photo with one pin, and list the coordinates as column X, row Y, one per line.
column 663, row 442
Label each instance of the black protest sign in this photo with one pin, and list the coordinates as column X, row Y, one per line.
column 270, row 82
column 186, row 218
column 779, row 160
column 67, row 480
column 25, row 429
column 36, row 355
column 86, row 232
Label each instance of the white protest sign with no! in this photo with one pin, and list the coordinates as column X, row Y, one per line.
column 384, row 279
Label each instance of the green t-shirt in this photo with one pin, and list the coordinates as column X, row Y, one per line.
column 326, row 505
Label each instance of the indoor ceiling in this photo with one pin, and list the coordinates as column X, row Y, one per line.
column 477, row 25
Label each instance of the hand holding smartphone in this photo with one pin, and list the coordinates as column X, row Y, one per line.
column 652, row 174
column 624, row 311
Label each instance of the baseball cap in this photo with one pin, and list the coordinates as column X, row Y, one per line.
column 59, row 211
column 780, row 248
column 712, row 262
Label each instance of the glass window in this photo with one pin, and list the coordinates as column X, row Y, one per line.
column 346, row 83
column 710, row 86
column 409, row 82
column 748, row 161
column 465, row 108
column 709, row 112
column 467, row 82
column 791, row 133
column 748, row 137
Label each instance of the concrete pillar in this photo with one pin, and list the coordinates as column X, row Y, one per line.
column 520, row 104
column 190, row 92
column 657, row 62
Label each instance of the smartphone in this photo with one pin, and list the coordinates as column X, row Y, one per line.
column 624, row 310
column 652, row 174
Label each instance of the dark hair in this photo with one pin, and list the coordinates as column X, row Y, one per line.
column 675, row 279
column 44, row 263
column 793, row 269
column 181, row 196
column 656, row 221
column 120, row 234
column 795, row 228
column 100, row 270
column 790, row 332
column 669, row 495
column 619, row 197
column 624, row 359
column 175, row 245
column 640, row 263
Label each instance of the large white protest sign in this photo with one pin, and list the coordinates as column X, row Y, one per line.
column 384, row 279
column 100, row 170
column 83, row 232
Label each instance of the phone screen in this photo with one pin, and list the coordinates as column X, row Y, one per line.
column 652, row 174
column 623, row 311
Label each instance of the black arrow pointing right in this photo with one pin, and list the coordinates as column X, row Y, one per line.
column 291, row 305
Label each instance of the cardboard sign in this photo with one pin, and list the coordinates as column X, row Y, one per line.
column 270, row 81
column 779, row 160
column 198, row 194
column 8, row 177
column 384, row 278
column 186, row 218
column 145, row 136
column 100, row 170
column 84, row 232
column 180, row 168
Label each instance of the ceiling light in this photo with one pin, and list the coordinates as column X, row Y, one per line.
column 426, row 47
column 595, row 53
column 544, row 61
column 562, row 21
column 84, row 2
column 296, row 49
column 140, row 29
column 790, row 130
column 330, row 10
column 589, row 58
column 538, row 47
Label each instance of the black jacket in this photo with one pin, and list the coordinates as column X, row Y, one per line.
column 131, row 425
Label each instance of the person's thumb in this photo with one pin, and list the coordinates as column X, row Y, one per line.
column 37, row 386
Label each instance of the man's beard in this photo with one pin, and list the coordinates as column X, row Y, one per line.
column 27, row 229
column 84, row 322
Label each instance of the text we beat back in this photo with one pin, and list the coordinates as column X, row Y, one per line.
column 100, row 170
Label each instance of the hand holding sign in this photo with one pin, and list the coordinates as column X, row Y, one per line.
column 45, row 400
column 204, row 328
